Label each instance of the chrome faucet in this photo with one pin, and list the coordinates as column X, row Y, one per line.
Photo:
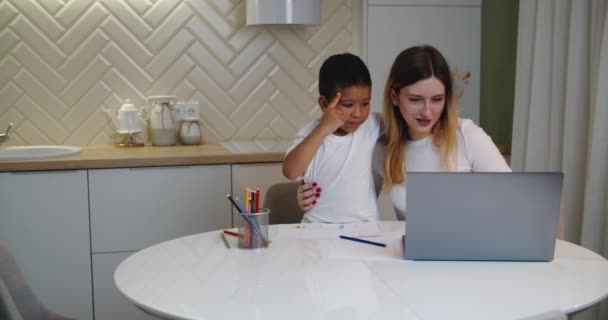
column 6, row 135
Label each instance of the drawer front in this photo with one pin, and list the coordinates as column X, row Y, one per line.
column 134, row 208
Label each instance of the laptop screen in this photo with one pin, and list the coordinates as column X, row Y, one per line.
column 482, row 216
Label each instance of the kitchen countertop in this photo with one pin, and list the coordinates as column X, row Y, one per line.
column 108, row 156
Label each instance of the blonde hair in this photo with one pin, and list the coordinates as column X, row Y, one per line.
column 412, row 65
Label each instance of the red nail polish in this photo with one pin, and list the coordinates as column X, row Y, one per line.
column 318, row 189
column 314, row 184
column 314, row 202
column 317, row 195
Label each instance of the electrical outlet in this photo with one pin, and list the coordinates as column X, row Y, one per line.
column 187, row 110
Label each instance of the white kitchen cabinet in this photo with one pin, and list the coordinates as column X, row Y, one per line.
column 110, row 304
column 454, row 29
column 134, row 208
column 44, row 221
column 255, row 175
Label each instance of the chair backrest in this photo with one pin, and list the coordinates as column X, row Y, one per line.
column 281, row 200
column 16, row 295
column 8, row 309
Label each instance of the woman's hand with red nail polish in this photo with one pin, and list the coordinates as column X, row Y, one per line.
column 306, row 196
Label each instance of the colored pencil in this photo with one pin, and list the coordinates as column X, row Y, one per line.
column 364, row 241
column 225, row 241
column 247, row 203
column 237, row 205
column 252, row 202
column 232, row 233
column 257, row 200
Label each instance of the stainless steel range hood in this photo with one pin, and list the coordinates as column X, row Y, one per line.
column 283, row 12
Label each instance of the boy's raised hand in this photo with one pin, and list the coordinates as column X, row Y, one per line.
column 297, row 160
column 332, row 118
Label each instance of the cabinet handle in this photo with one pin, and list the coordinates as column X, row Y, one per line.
column 156, row 168
column 43, row 171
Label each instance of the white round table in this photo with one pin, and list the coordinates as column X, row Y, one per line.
column 308, row 272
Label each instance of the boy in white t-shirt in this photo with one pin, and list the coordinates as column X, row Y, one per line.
column 334, row 153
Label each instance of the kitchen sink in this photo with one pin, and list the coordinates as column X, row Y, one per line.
column 36, row 152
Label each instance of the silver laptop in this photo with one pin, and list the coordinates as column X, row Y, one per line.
column 485, row 216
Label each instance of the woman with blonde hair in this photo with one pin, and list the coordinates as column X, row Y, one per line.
column 422, row 131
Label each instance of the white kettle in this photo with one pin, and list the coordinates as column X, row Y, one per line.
column 129, row 118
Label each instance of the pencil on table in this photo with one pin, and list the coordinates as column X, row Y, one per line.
column 234, row 234
column 225, row 241
column 364, row 241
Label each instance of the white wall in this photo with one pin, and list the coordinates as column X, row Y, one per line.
column 61, row 61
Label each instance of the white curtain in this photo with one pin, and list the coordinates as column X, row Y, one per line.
column 560, row 120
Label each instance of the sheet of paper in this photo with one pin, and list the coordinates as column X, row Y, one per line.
column 328, row 230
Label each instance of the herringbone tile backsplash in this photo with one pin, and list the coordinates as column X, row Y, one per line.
column 61, row 61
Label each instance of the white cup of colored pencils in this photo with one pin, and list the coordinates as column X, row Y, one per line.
column 253, row 225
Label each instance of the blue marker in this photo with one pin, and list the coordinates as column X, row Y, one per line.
column 364, row 241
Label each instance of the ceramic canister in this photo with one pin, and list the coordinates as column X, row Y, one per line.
column 190, row 131
column 162, row 120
